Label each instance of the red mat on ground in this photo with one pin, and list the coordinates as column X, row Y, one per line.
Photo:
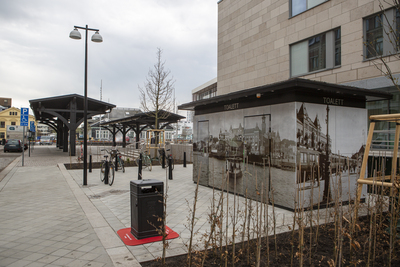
column 130, row 240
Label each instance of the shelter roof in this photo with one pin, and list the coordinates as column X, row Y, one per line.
column 145, row 118
column 45, row 108
column 293, row 85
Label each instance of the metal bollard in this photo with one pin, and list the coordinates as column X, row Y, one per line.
column 116, row 161
column 106, row 172
column 90, row 163
column 184, row 159
column 169, row 168
column 163, row 161
column 140, row 167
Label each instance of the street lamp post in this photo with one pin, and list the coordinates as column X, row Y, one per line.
column 75, row 34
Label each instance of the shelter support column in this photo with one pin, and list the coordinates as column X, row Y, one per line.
column 124, row 136
column 114, row 132
column 72, row 141
column 65, row 138
column 59, row 133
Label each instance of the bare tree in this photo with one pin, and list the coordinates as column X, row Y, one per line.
column 391, row 34
column 156, row 97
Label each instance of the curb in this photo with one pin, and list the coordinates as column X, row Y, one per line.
column 116, row 249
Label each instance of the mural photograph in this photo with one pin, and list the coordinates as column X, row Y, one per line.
column 294, row 151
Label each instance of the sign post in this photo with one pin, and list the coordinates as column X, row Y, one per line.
column 32, row 131
column 24, row 122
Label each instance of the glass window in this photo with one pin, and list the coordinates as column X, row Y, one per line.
column 311, row 55
column 374, row 36
column 2, row 124
column 13, row 123
column 398, row 29
column 299, row 6
column 298, row 58
column 338, row 47
column 317, row 53
column 384, row 132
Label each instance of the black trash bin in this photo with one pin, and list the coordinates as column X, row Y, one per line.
column 147, row 208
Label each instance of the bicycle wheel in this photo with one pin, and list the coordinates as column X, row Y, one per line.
column 111, row 174
column 122, row 165
column 102, row 176
column 147, row 161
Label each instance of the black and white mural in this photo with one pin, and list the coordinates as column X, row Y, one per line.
column 292, row 151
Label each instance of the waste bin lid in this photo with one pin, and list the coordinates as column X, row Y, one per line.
column 146, row 186
column 146, row 182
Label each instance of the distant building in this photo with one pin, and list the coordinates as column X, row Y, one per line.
column 11, row 116
column 6, row 102
column 43, row 129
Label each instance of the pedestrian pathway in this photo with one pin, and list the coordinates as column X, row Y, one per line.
column 48, row 218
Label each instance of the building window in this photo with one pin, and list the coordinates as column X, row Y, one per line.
column 2, row 135
column 338, row 47
column 374, row 36
column 299, row 6
column 13, row 123
column 381, row 33
column 2, row 124
column 319, row 52
column 397, row 32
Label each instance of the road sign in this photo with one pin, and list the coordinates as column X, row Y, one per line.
column 32, row 126
column 24, row 116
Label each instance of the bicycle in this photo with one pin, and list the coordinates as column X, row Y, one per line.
column 107, row 169
column 120, row 161
column 163, row 154
column 146, row 160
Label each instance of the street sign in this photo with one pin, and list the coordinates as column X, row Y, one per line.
column 24, row 117
column 32, row 126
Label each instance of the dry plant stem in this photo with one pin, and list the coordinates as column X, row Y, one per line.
column 259, row 232
column 234, row 223
column 311, row 212
column 164, row 222
column 257, row 224
column 221, row 218
column 370, row 230
column 245, row 205
column 227, row 218
column 250, row 208
column 214, row 225
column 319, row 203
column 274, row 222
column 193, row 219
column 267, row 213
column 294, row 217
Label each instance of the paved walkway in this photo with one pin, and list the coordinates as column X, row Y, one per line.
column 47, row 218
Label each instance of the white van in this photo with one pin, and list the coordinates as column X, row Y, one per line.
column 46, row 140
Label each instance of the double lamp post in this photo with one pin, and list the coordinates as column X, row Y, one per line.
column 75, row 34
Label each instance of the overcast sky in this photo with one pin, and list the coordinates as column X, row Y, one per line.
column 39, row 60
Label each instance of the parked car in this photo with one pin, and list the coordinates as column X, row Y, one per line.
column 13, row 145
column 46, row 140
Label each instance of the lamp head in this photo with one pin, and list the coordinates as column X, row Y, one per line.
column 75, row 34
column 96, row 37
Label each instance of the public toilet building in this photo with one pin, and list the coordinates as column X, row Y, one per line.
column 290, row 139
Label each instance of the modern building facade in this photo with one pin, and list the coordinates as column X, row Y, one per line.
column 335, row 41
column 263, row 41
column 295, row 79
